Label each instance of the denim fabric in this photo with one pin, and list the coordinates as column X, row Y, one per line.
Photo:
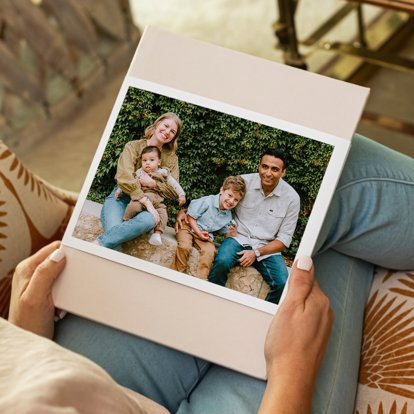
column 226, row 258
column 162, row 374
column 117, row 231
column 370, row 216
column 347, row 282
column 272, row 268
column 223, row 391
column 369, row 222
column 274, row 271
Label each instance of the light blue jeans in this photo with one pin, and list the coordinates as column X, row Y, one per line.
column 273, row 268
column 118, row 231
column 369, row 222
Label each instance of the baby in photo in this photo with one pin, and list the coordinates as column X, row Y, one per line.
column 153, row 201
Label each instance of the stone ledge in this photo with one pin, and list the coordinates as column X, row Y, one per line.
column 247, row 280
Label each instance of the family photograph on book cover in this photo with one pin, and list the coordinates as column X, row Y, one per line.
column 200, row 193
column 212, row 175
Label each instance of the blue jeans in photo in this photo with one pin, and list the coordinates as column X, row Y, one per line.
column 118, row 231
column 369, row 222
column 273, row 269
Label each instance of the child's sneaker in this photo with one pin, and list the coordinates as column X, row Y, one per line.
column 155, row 239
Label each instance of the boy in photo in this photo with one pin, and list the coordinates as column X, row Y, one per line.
column 207, row 216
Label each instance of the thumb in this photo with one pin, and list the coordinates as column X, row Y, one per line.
column 46, row 273
column 301, row 280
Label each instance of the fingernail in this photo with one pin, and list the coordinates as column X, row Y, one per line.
column 304, row 263
column 57, row 255
column 62, row 314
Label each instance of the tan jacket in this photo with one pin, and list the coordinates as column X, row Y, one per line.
column 129, row 161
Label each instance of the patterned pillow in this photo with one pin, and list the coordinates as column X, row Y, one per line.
column 33, row 213
column 386, row 377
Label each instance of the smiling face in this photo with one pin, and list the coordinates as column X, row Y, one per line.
column 271, row 170
column 150, row 161
column 165, row 131
column 229, row 199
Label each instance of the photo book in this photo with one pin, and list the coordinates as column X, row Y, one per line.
column 252, row 150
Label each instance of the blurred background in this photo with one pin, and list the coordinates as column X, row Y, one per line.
column 62, row 63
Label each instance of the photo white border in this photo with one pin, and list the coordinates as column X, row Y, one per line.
column 309, row 237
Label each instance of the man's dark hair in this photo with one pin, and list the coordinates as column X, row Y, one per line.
column 274, row 152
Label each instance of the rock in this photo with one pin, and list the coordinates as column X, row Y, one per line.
column 247, row 280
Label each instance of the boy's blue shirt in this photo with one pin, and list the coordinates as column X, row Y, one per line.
column 209, row 217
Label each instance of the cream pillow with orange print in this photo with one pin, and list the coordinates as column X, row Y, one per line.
column 386, row 378
column 32, row 214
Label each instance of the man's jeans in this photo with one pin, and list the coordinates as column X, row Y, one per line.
column 273, row 269
column 116, row 230
column 369, row 222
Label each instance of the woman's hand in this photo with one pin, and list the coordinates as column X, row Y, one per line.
column 180, row 219
column 147, row 181
column 296, row 343
column 31, row 303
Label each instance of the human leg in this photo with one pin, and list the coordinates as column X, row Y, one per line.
column 132, row 209
column 184, row 238
column 207, row 251
column 162, row 211
column 127, row 230
column 162, row 374
column 155, row 238
column 370, row 216
column 113, row 209
column 347, row 282
column 225, row 259
column 274, row 271
column 224, row 391
column 368, row 222
column 158, row 203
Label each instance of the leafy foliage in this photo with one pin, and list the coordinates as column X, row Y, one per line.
column 212, row 146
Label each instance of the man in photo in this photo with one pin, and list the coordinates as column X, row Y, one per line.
column 265, row 221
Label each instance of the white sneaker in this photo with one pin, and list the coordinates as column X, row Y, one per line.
column 155, row 239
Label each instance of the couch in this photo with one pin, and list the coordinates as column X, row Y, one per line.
column 34, row 213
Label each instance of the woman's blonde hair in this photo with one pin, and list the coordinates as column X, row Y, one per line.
column 172, row 145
